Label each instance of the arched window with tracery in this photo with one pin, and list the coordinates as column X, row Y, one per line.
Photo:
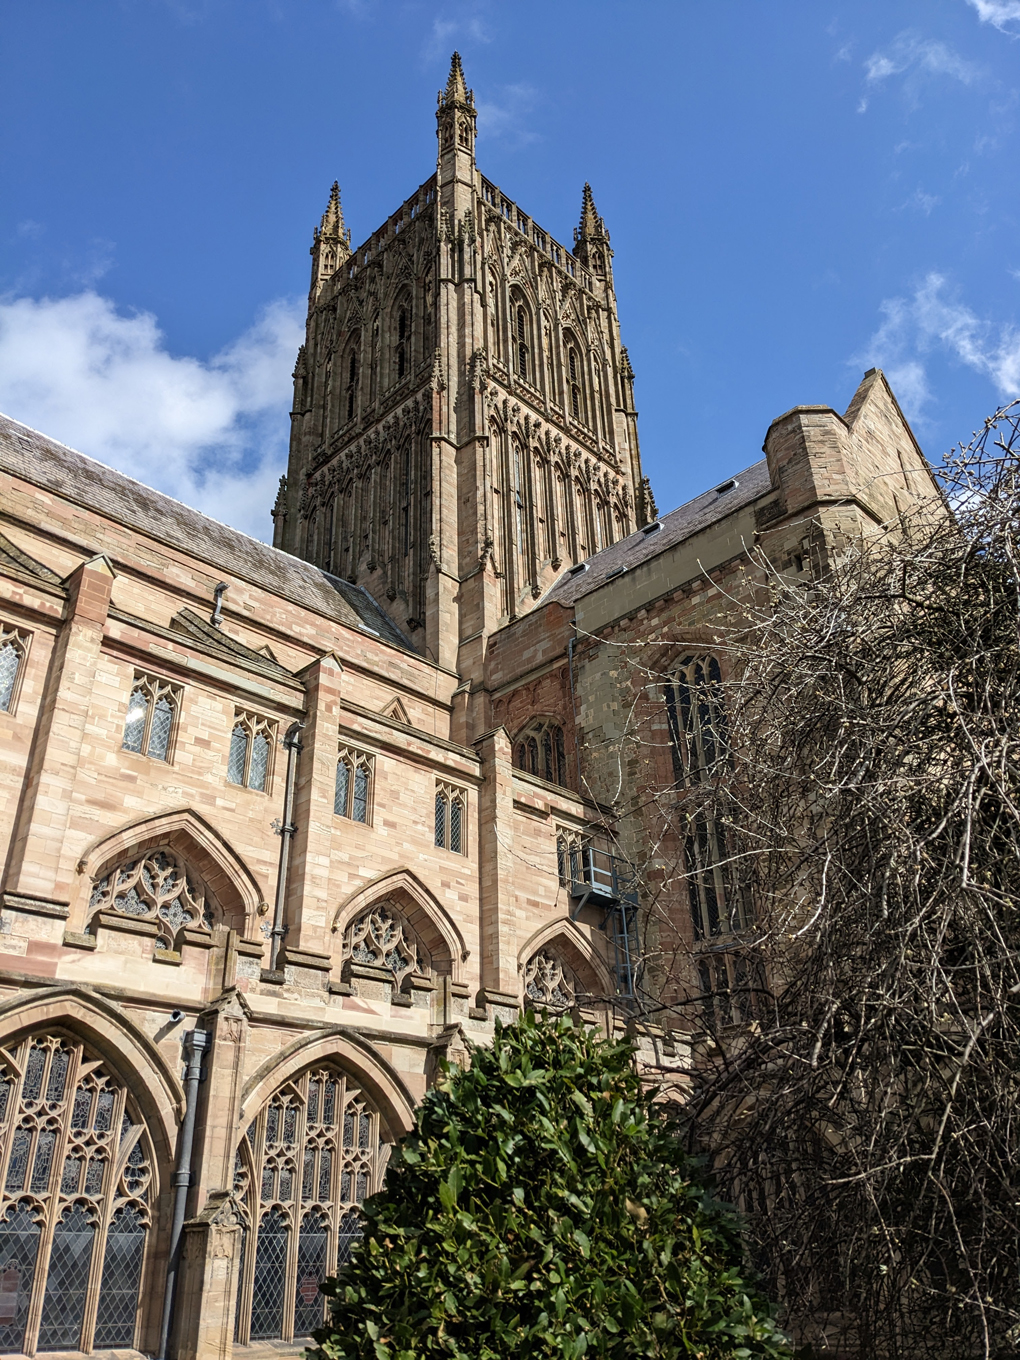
column 575, row 380
column 310, row 1158
column 401, row 338
column 156, row 887
column 541, row 750
column 522, row 341
column 76, row 1169
column 352, row 375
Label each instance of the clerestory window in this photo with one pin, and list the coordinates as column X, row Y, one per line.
column 541, row 750
column 451, row 819
column 523, row 351
column 352, row 794
column 13, row 651
column 151, row 719
column 252, row 742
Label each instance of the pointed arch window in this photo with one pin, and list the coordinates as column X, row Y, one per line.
column 451, row 819
column 13, row 652
column 352, row 383
column 402, row 327
column 252, row 742
column 353, row 790
column 522, row 336
column 311, row 1157
column 76, row 1172
column 576, row 389
column 157, row 887
column 151, row 717
column 541, row 750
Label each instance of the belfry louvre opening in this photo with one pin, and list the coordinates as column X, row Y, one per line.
column 76, row 1170
column 314, row 1153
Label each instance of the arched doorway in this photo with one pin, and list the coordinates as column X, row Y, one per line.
column 76, row 1171
column 311, row 1156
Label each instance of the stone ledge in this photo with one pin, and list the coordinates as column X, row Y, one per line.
column 74, row 939
column 35, row 906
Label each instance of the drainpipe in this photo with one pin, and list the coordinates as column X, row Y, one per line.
column 196, row 1042
column 292, row 745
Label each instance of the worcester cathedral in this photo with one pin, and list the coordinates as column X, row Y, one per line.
column 287, row 826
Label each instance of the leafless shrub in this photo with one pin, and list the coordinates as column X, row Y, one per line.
column 867, row 1120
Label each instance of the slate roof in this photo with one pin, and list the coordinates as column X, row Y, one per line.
column 702, row 512
column 33, row 457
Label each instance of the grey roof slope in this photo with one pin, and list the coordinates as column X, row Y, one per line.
column 26, row 453
column 703, row 511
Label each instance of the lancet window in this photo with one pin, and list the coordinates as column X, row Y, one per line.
column 13, row 650
column 352, row 382
column 451, row 819
column 151, row 717
column 311, row 1157
column 382, row 938
column 156, row 887
column 353, row 789
column 252, row 741
column 549, row 982
column 540, row 750
column 522, row 335
column 570, row 847
column 76, row 1169
column 732, row 984
column 576, row 390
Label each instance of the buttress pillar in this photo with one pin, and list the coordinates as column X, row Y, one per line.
column 496, row 872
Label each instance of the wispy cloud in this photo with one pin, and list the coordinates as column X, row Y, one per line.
column 506, row 117
column 916, row 58
column 931, row 319
column 1000, row 13
column 458, row 26
column 212, row 433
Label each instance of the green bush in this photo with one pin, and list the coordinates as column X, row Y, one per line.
column 543, row 1207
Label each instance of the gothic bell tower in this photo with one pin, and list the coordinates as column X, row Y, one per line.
column 463, row 426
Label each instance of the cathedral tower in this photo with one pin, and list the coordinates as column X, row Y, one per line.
column 463, row 426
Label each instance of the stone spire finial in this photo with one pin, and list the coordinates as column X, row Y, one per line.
column 331, row 246
column 591, row 223
column 455, row 86
column 332, row 224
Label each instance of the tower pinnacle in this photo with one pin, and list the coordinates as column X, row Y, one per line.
column 455, row 86
column 591, row 240
column 331, row 245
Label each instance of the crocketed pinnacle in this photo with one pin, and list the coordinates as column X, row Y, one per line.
column 591, row 223
column 332, row 224
column 455, row 86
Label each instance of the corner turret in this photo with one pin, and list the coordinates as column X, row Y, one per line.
column 457, row 126
column 331, row 246
column 591, row 240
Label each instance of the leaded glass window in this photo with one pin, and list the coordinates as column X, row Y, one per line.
column 307, row 1161
column 158, row 887
column 13, row 650
column 249, row 759
column 352, row 792
column 76, row 1167
column 570, row 847
column 151, row 717
column 451, row 819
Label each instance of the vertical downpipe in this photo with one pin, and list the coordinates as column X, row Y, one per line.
column 196, row 1042
column 292, row 745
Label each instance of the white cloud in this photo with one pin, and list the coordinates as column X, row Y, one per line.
column 212, row 433
column 999, row 13
column 931, row 319
column 915, row 56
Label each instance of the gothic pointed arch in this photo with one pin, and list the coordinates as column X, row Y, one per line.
column 383, row 1083
column 133, row 1057
column 419, row 908
column 564, row 942
column 228, row 879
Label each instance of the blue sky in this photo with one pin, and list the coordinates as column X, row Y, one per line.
column 796, row 190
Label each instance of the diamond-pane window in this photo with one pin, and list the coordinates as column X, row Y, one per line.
column 354, row 772
column 249, row 760
column 151, row 716
column 305, row 1228
column 68, row 1240
column 451, row 819
column 13, row 650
